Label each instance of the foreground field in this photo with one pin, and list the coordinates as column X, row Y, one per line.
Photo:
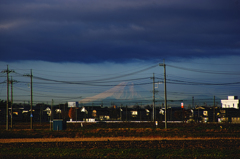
column 125, row 129
column 121, row 140
column 221, row 148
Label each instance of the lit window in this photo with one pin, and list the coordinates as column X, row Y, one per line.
column 134, row 112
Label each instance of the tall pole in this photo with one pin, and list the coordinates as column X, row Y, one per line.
column 31, row 116
column 121, row 112
column 7, row 71
column 192, row 101
column 11, row 103
column 153, row 98
column 59, row 112
column 7, row 99
column 126, row 113
column 40, row 114
column 165, row 92
column 51, row 117
column 64, row 114
column 214, row 109
column 12, row 81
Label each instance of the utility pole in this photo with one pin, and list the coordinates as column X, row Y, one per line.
column 153, row 118
column 214, row 109
column 51, row 117
column 41, row 114
column 192, row 101
column 7, row 71
column 31, row 115
column 31, row 103
column 64, row 111
column 7, row 99
column 59, row 112
column 12, row 101
column 121, row 112
column 165, row 92
column 126, row 113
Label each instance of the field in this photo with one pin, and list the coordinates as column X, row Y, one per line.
column 121, row 140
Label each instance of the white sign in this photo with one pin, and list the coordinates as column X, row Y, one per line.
column 72, row 104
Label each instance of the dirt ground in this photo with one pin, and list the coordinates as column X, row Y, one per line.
column 23, row 140
column 120, row 147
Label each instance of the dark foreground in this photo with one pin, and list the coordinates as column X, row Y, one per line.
column 178, row 141
column 214, row 148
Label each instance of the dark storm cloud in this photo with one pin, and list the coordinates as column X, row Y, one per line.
column 118, row 30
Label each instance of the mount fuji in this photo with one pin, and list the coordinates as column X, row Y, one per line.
column 122, row 91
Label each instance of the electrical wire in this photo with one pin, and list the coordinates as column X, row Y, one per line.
column 50, row 88
column 205, row 71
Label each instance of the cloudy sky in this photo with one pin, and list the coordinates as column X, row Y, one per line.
column 70, row 45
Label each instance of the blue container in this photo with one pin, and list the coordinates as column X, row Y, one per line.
column 59, row 124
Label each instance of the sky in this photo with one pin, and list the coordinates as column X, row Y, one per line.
column 78, row 49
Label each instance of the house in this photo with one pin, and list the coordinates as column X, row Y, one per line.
column 230, row 110
column 231, row 102
column 229, row 115
column 205, row 114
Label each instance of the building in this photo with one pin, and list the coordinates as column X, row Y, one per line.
column 231, row 102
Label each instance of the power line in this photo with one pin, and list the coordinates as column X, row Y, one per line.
column 172, row 81
column 205, row 71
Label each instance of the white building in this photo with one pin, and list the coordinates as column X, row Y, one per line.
column 231, row 102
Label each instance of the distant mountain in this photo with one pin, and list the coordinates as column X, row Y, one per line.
column 124, row 90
